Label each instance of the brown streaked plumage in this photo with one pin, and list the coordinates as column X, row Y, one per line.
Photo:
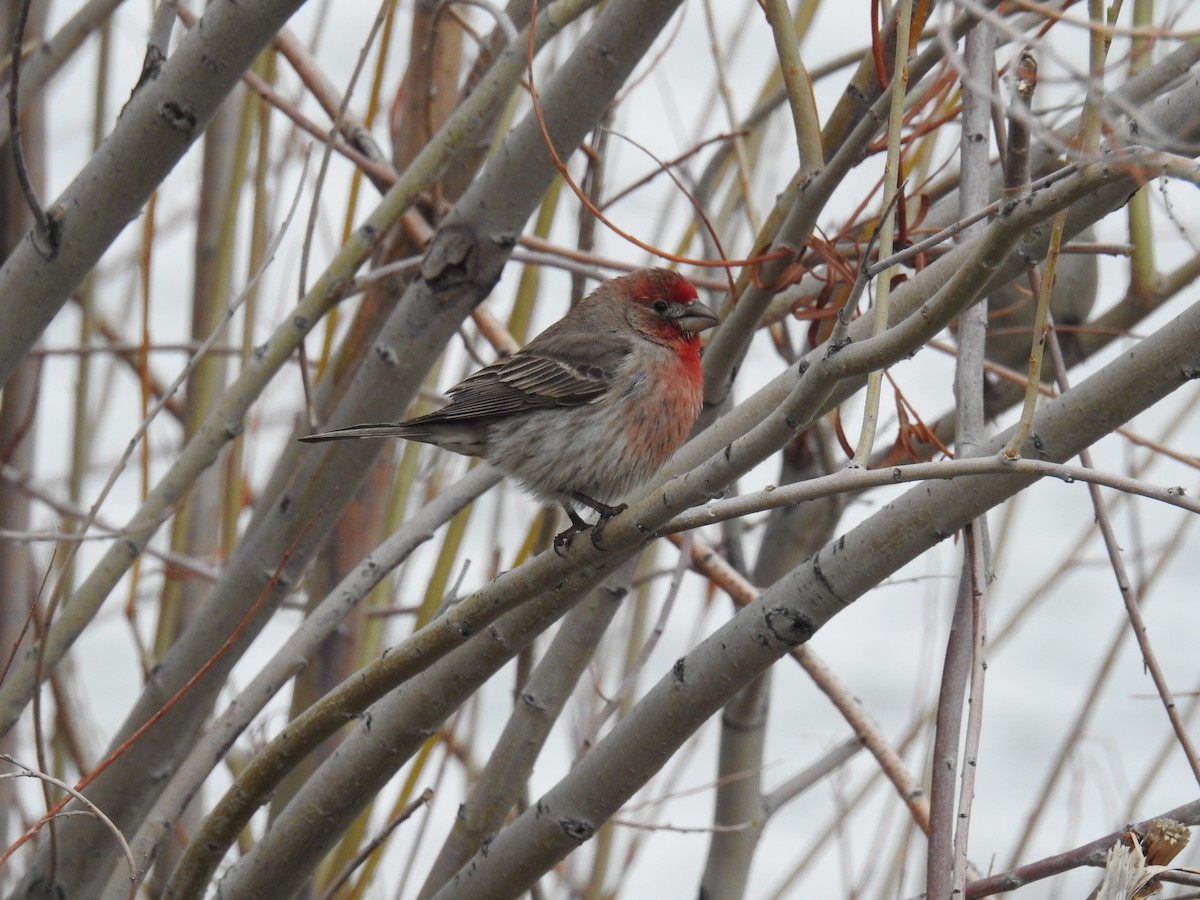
column 590, row 408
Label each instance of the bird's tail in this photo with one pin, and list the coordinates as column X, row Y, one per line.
column 378, row 430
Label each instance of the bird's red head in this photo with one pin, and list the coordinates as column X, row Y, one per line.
column 664, row 306
column 672, row 311
column 648, row 285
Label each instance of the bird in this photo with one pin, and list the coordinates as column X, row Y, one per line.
column 590, row 408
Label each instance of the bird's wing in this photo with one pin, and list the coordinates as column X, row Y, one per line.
column 574, row 370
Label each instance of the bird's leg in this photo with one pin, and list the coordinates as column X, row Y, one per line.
column 562, row 541
column 606, row 512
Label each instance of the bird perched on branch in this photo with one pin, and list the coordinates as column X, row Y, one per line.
column 591, row 408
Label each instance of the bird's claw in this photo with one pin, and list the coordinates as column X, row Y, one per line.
column 602, row 522
column 564, row 539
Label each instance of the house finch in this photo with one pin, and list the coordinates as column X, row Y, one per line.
column 590, row 408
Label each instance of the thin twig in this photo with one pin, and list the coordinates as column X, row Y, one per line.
column 635, row 669
column 964, row 668
column 924, row 246
column 1041, row 320
column 1090, row 854
column 848, row 480
column 557, row 160
column 70, row 510
column 1016, row 160
column 709, row 563
column 46, row 227
column 891, row 190
column 372, row 845
column 1137, row 622
column 91, row 807
column 310, row 227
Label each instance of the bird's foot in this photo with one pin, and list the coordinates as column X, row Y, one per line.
column 606, row 512
column 598, row 528
column 563, row 540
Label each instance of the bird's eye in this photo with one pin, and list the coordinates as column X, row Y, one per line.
column 660, row 306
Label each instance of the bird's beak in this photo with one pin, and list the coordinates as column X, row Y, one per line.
column 698, row 318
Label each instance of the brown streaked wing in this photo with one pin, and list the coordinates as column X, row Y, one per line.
column 580, row 370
